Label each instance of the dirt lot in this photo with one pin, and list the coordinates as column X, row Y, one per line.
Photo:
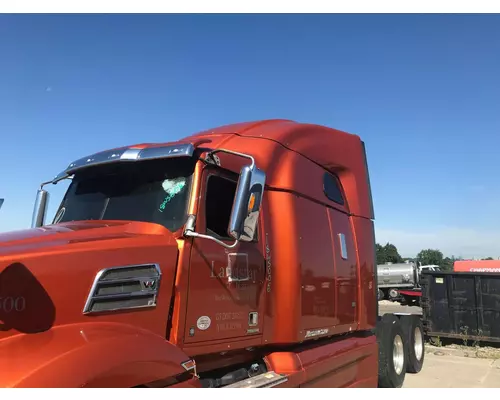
column 451, row 366
column 447, row 368
column 386, row 306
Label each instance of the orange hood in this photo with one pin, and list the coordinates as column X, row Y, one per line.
column 48, row 237
column 46, row 273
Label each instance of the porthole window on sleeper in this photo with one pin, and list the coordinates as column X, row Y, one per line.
column 332, row 190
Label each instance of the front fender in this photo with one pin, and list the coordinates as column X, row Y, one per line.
column 88, row 355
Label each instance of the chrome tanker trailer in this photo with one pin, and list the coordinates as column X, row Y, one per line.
column 394, row 277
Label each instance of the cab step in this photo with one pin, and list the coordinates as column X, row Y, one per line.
column 265, row 380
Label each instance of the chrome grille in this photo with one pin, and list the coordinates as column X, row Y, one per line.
column 124, row 288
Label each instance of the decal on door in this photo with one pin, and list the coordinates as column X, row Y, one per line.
column 236, row 270
column 203, row 323
column 237, row 267
column 268, row 264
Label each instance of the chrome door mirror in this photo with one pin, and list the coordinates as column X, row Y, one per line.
column 247, row 203
column 41, row 203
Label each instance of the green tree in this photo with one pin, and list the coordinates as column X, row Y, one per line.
column 447, row 264
column 392, row 254
column 487, row 258
column 387, row 253
column 430, row 257
column 380, row 254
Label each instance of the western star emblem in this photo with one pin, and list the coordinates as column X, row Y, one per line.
column 149, row 284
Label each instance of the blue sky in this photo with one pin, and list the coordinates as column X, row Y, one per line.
column 421, row 90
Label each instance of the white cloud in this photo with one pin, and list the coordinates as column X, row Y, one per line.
column 460, row 242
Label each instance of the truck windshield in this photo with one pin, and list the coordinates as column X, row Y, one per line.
column 148, row 191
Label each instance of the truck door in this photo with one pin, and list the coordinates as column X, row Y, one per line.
column 345, row 267
column 225, row 296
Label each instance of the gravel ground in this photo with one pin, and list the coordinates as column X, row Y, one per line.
column 445, row 370
column 488, row 352
column 386, row 306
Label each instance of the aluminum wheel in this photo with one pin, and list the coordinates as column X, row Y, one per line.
column 419, row 344
column 398, row 354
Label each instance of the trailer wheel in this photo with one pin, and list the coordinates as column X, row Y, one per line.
column 392, row 350
column 414, row 332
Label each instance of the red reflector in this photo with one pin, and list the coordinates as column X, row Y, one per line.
column 189, row 365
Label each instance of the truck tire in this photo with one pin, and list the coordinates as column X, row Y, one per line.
column 392, row 352
column 380, row 295
column 414, row 332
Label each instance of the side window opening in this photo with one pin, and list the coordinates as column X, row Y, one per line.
column 218, row 205
column 332, row 190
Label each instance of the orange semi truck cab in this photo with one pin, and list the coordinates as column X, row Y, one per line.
column 242, row 256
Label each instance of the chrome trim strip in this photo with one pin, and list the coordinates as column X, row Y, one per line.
column 147, row 292
column 126, row 280
column 343, row 246
column 130, row 154
column 123, row 295
column 235, row 153
column 127, row 155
